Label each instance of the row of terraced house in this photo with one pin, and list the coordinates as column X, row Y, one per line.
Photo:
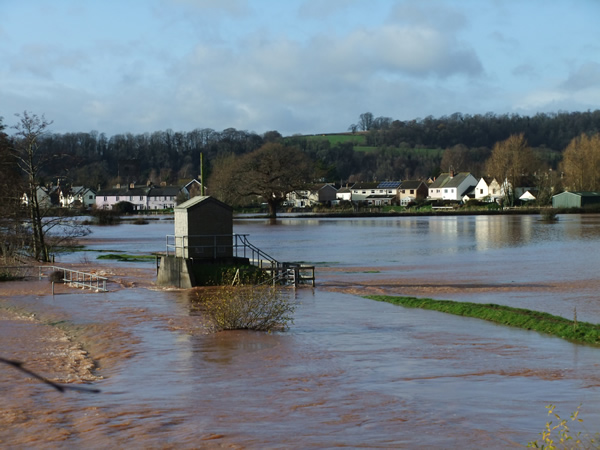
column 456, row 187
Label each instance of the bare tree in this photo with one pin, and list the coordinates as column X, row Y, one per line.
column 511, row 161
column 271, row 172
column 365, row 121
column 581, row 163
column 30, row 157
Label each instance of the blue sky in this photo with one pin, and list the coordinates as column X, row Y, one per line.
column 295, row 66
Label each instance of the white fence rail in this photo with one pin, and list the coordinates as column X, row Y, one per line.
column 76, row 278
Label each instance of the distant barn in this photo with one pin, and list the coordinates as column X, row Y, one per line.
column 576, row 199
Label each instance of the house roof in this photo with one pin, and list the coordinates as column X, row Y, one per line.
column 389, row 185
column 198, row 200
column 447, row 181
column 411, row 184
column 365, row 185
column 591, row 194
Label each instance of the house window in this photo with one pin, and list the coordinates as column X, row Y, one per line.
column 481, row 191
column 372, row 191
column 105, row 199
column 117, row 199
column 445, row 191
column 404, row 191
column 141, row 197
column 493, row 191
column 412, row 191
column 130, row 197
column 90, row 198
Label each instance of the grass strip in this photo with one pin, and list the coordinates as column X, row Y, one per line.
column 571, row 330
column 125, row 257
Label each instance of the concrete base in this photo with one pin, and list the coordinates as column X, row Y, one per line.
column 179, row 272
column 175, row 271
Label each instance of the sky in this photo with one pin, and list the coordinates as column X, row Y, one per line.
column 294, row 66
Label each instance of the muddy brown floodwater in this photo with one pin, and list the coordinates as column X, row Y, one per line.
column 350, row 372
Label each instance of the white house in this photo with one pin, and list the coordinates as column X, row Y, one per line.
column 343, row 194
column 311, row 196
column 451, row 186
column 43, row 195
column 77, row 196
column 376, row 193
column 488, row 190
column 141, row 197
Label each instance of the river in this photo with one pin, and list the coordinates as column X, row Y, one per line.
column 350, row 372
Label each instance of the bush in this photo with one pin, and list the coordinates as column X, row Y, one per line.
column 123, row 207
column 57, row 276
column 247, row 308
column 106, row 216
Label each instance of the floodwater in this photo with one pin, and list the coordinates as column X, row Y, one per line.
column 350, row 372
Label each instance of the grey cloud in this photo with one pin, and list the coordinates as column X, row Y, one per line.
column 586, row 76
column 318, row 9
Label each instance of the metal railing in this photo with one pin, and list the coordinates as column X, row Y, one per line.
column 219, row 245
column 77, row 278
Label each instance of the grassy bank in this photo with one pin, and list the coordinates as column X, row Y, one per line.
column 571, row 330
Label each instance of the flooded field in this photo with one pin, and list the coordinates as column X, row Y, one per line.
column 349, row 373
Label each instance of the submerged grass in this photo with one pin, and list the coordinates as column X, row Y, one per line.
column 125, row 257
column 571, row 330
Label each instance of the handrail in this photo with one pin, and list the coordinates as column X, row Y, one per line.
column 239, row 245
column 78, row 278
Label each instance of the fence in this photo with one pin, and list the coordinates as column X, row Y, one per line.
column 77, row 278
column 237, row 245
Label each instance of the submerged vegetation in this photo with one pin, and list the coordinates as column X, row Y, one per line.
column 247, row 308
column 571, row 330
column 129, row 258
column 561, row 435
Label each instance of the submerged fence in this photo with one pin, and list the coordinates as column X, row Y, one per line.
column 77, row 278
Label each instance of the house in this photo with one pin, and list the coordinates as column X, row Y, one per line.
column 579, row 199
column 451, row 186
column 376, row 193
column 344, row 194
column 488, row 190
column 411, row 191
column 145, row 197
column 318, row 194
column 529, row 195
column 46, row 197
column 77, row 197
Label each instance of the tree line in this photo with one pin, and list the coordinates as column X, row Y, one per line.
column 554, row 151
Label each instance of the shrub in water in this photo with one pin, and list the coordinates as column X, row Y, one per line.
column 247, row 308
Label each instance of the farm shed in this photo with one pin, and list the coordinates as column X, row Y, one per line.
column 575, row 199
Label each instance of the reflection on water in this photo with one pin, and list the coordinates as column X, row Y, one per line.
column 350, row 372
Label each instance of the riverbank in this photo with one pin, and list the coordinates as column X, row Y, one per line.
column 570, row 330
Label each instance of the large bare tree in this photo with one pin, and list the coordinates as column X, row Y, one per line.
column 581, row 163
column 511, row 161
column 271, row 172
column 30, row 158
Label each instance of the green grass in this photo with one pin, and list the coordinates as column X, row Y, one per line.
column 571, row 330
column 334, row 139
column 125, row 257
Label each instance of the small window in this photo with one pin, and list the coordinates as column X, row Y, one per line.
column 412, row 191
column 105, row 199
column 117, row 198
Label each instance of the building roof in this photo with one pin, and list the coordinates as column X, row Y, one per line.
column 411, row 184
column 445, row 180
column 365, row 185
column 198, row 200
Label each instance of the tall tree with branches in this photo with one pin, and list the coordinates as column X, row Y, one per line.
column 511, row 161
column 581, row 163
column 30, row 158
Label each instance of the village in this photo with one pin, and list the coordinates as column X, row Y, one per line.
column 448, row 190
